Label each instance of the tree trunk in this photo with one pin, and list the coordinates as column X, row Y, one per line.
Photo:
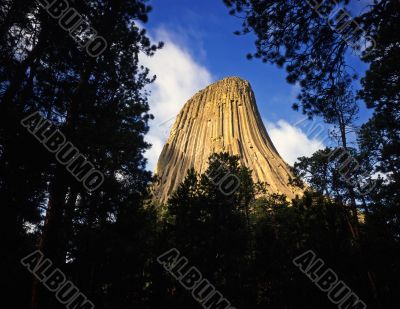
column 354, row 228
column 52, row 242
column 52, row 235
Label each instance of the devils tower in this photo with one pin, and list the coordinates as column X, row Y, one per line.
column 223, row 117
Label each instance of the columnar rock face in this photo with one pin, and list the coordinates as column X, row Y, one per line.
column 221, row 118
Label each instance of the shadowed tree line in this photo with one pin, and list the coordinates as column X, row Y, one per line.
column 107, row 241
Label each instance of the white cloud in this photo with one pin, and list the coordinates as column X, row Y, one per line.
column 291, row 141
column 179, row 77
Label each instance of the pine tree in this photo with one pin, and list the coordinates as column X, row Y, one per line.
column 99, row 105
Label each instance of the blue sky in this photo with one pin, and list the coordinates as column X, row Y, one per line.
column 200, row 48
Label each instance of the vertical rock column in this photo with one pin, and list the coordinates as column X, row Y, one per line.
column 223, row 117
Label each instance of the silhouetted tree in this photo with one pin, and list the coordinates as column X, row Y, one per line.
column 100, row 106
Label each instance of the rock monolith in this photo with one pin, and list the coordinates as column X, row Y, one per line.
column 223, row 117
